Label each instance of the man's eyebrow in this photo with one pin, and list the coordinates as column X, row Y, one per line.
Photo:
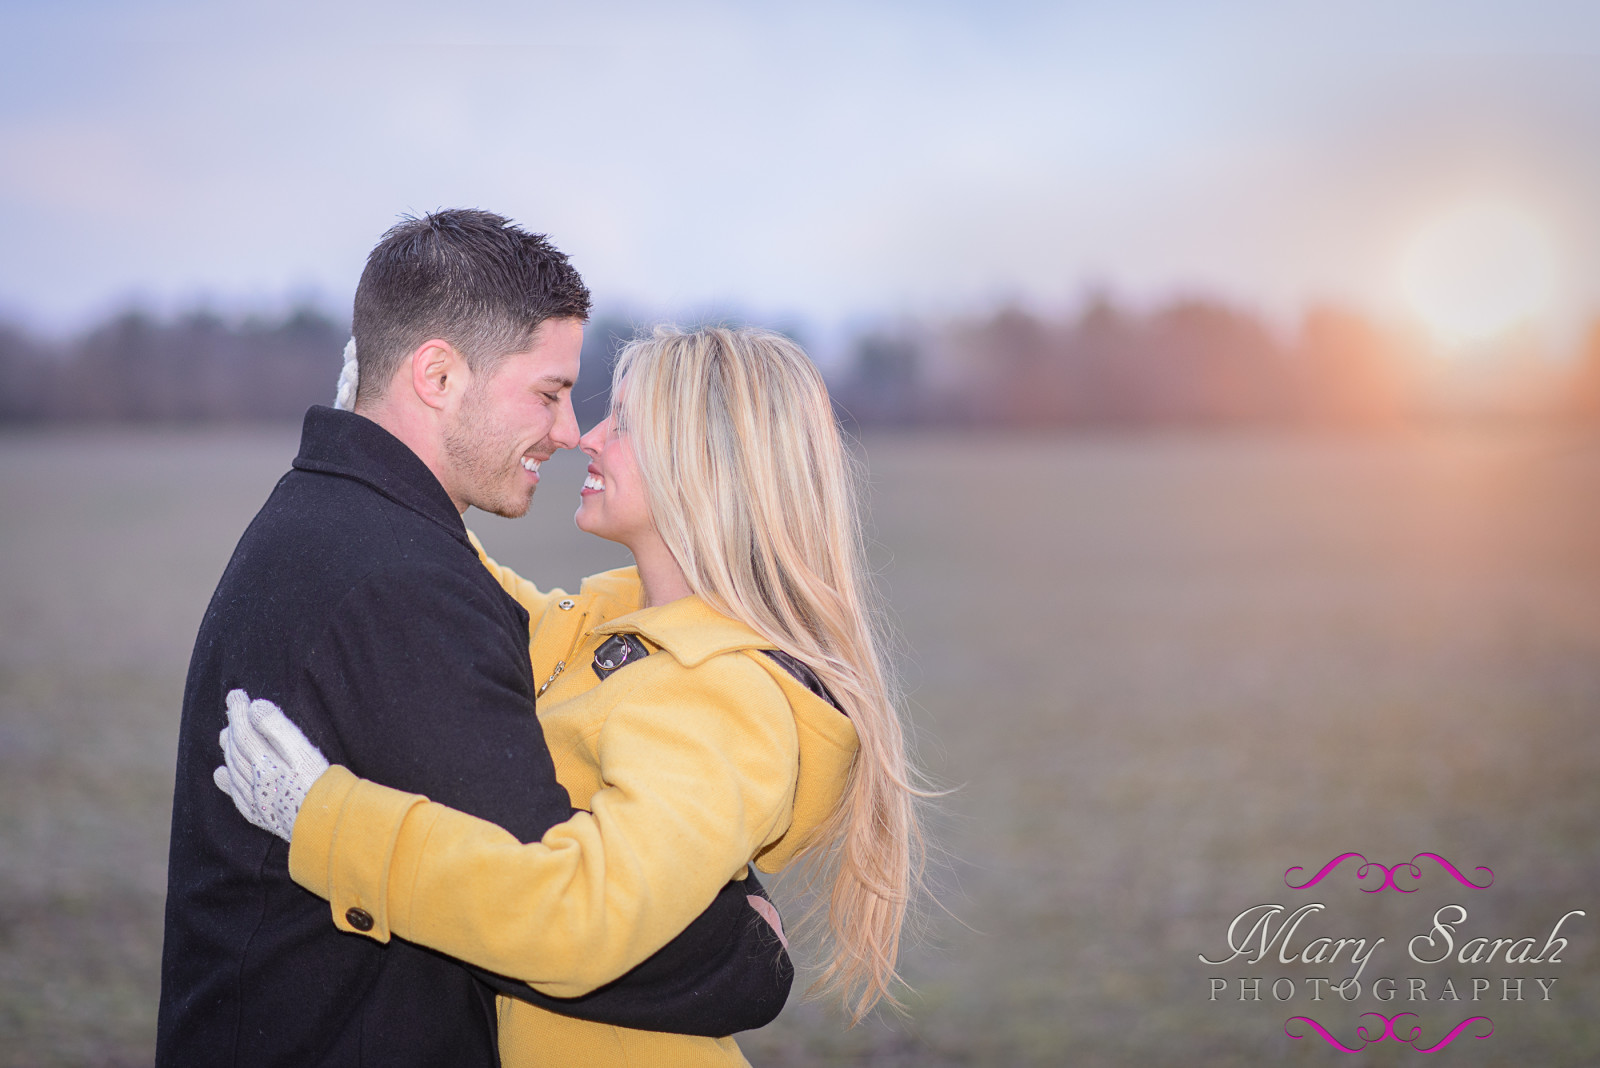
column 557, row 381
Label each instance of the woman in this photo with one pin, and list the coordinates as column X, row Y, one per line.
column 742, row 715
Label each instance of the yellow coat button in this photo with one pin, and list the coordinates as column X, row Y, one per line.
column 359, row 918
column 566, row 606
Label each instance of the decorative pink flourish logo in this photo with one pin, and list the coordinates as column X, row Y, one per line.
column 1367, row 1039
column 1410, row 866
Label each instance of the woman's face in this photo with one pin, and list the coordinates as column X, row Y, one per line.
column 614, row 505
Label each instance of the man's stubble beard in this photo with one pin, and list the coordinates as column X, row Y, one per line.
column 487, row 465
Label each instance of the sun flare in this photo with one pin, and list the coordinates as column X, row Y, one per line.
column 1477, row 270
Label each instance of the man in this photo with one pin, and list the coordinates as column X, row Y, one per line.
column 356, row 599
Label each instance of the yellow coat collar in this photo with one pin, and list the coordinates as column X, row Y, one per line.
column 688, row 628
column 613, row 592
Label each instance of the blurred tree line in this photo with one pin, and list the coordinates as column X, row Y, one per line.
column 1191, row 362
column 136, row 368
column 200, row 367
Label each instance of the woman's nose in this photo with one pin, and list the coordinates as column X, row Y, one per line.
column 592, row 441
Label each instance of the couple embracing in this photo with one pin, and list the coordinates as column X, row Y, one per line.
column 402, row 862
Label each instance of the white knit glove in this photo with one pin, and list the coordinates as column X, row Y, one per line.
column 344, row 395
column 270, row 765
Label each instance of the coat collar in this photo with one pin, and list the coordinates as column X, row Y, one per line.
column 614, row 592
column 688, row 628
column 353, row 446
column 691, row 631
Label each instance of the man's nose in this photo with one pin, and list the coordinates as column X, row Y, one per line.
column 565, row 432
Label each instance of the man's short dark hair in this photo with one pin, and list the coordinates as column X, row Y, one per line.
column 471, row 277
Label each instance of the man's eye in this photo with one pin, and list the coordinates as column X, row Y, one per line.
column 553, row 398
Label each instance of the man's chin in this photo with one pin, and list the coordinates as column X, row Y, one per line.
column 508, row 507
column 514, row 511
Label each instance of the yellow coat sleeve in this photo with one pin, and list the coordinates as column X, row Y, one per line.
column 699, row 768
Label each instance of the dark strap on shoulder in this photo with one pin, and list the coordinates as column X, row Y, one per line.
column 805, row 676
column 620, row 650
column 617, row 651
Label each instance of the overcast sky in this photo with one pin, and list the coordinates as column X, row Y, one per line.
column 821, row 161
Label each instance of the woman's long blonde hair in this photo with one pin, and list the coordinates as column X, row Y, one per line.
column 752, row 490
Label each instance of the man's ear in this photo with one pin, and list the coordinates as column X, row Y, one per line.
column 437, row 371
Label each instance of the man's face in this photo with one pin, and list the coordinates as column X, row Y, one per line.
column 512, row 420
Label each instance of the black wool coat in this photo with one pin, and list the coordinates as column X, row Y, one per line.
column 355, row 602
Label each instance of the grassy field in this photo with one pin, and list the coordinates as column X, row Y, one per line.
column 1158, row 671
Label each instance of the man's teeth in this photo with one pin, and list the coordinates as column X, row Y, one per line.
column 594, row 482
column 531, row 465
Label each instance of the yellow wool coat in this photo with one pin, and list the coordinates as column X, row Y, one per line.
column 693, row 762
